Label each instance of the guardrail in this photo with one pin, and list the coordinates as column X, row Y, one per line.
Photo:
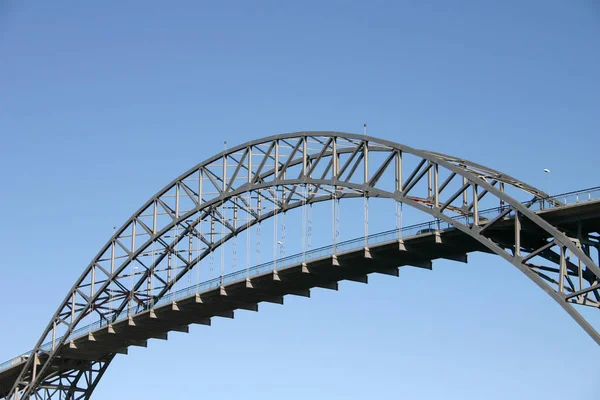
column 563, row 199
column 570, row 198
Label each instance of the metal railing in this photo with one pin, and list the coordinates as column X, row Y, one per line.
column 570, row 198
column 392, row 235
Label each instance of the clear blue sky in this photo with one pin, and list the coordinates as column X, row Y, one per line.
column 102, row 105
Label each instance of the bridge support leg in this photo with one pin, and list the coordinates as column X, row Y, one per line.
column 76, row 383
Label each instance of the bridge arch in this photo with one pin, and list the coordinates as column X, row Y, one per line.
column 242, row 186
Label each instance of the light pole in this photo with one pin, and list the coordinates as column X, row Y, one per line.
column 546, row 170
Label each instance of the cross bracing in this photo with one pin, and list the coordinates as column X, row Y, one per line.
column 216, row 201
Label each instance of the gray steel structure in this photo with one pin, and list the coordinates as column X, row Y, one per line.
column 238, row 188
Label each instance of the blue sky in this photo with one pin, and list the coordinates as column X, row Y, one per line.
column 102, row 105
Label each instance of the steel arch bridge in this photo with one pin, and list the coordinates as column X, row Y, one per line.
column 126, row 294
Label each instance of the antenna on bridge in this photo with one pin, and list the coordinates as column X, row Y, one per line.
column 365, row 129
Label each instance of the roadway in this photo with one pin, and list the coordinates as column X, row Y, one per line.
column 245, row 290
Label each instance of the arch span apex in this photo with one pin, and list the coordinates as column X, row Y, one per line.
column 297, row 169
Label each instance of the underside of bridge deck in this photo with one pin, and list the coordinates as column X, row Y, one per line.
column 271, row 287
column 246, row 294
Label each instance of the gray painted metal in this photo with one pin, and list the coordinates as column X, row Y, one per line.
column 262, row 178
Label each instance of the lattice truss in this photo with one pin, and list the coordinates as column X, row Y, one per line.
column 218, row 199
column 74, row 384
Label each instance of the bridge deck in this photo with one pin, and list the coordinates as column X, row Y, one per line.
column 198, row 304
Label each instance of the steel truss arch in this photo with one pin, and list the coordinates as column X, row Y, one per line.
column 263, row 178
column 76, row 383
